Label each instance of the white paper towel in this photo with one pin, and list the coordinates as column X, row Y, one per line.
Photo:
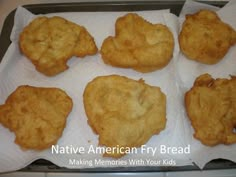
column 16, row 69
column 188, row 70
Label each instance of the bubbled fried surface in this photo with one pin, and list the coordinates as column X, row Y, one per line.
column 124, row 112
column 205, row 38
column 50, row 42
column 211, row 108
column 138, row 44
column 36, row 115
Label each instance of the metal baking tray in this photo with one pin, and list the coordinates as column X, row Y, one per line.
column 42, row 165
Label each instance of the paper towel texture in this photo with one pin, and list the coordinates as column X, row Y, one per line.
column 16, row 70
column 188, row 70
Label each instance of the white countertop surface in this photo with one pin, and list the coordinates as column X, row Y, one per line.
column 209, row 173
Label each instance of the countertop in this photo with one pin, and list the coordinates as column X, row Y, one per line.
column 6, row 6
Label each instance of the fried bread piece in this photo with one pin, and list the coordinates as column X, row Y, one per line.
column 50, row 42
column 36, row 115
column 124, row 112
column 205, row 38
column 138, row 44
column 211, row 108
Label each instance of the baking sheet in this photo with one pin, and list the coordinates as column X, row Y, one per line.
column 77, row 132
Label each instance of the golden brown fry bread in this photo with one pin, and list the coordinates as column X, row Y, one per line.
column 205, row 38
column 36, row 115
column 50, row 42
column 211, row 107
column 124, row 112
column 138, row 44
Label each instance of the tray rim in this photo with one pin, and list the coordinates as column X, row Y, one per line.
column 42, row 165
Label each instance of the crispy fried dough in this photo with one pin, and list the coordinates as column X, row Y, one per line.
column 138, row 44
column 50, row 42
column 205, row 38
column 36, row 115
column 124, row 112
column 211, row 107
